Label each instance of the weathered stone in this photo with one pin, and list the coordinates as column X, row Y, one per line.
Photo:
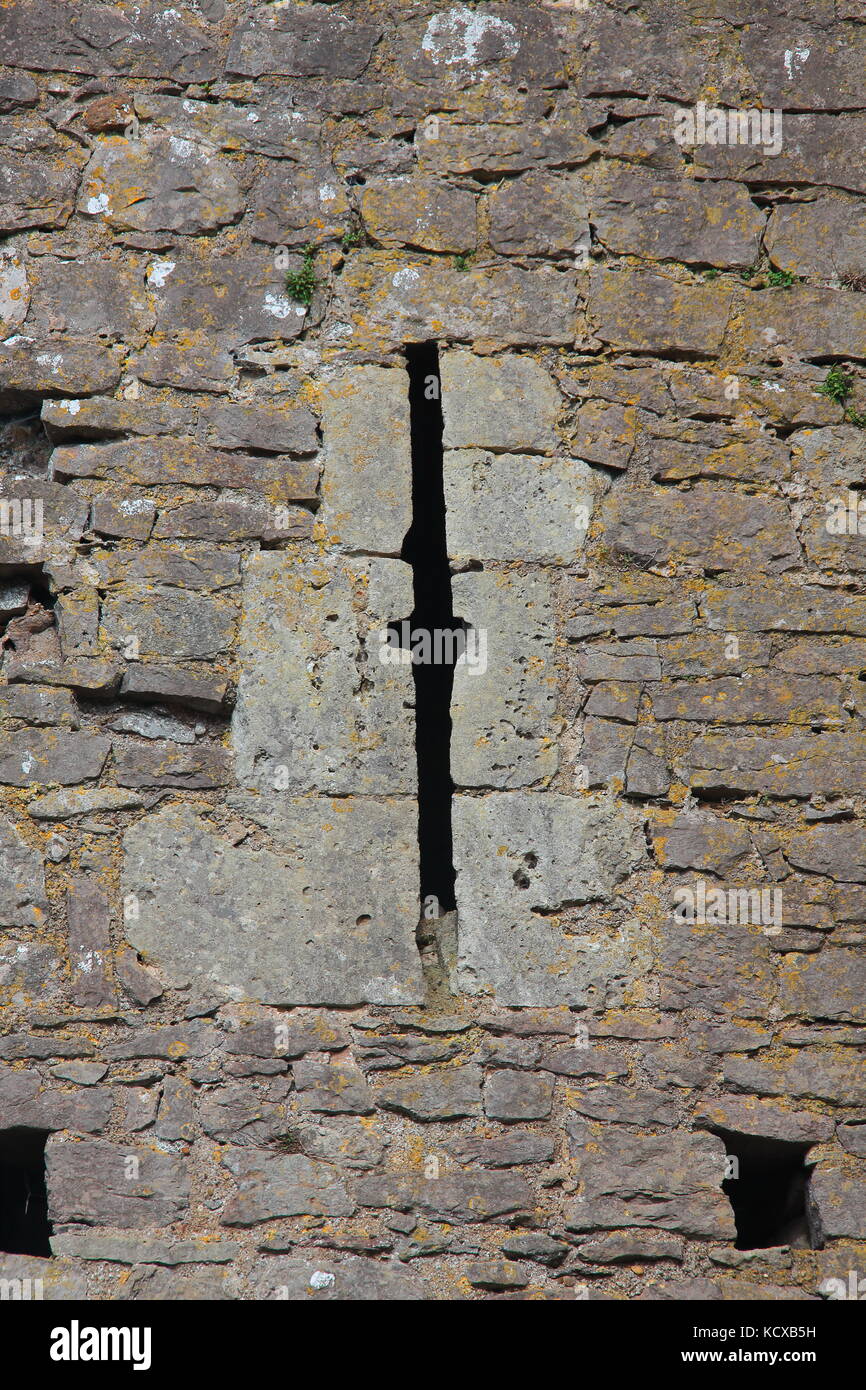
column 502, row 403
column 80, row 1073
column 30, row 368
column 829, row 985
column 631, row 1249
column 308, row 703
column 82, row 801
column 299, row 206
column 174, row 1043
column 89, row 943
column 517, row 1095
column 751, row 699
column 92, row 299
column 332, row 1088
column 167, row 765
column 97, row 1183
column 635, row 309
column 367, row 483
column 185, row 186
column 554, row 498
column 170, row 625
column 260, row 129
column 814, row 150
column 639, row 213
column 620, row 1105
column 419, row 212
column 81, row 673
column 351, row 1279
column 198, row 689
column 723, row 966
column 143, row 1250
column 160, row 462
column 247, row 919
column 40, row 756
column 36, row 192
column 514, row 1149
column 537, row 1247
column 395, row 298
column 720, row 531
column 23, row 902
column 747, row 1115
column 510, row 940
column 222, row 303
column 701, row 840
column 442, row 1095
column 835, row 1202
column 299, row 43
column 272, row 1185
column 818, row 1074
column 26, row 1103
column 272, row 430
column 831, row 322
column 154, row 44
column 141, row 983
column 541, row 214
column 289, row 1036
column 349, row 1143
column 460, row 1197
column 56, row 1280
column 799, row 765
column 153, row 726
column 504, row 691
column 671, row 1181
column 823, row 238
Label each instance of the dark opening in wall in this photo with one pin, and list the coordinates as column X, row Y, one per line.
column 24, row 1225
column 425, row 550
column 26, row 606
column 767, row 1190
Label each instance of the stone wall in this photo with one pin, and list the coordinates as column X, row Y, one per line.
column 258, row 1077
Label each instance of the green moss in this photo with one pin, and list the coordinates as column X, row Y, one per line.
column 838, row 385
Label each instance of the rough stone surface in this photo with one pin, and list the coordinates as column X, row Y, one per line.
column 276, row 924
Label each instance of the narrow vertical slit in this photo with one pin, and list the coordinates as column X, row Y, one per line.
column 425, row 550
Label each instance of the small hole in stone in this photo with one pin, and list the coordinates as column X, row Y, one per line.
column 362, row 920
column 521, row 878
column 767, row 1191
column 24, row 1225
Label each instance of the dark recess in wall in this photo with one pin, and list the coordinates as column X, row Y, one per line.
column 425, row 550
column 24, row 1227
column 768, row 1195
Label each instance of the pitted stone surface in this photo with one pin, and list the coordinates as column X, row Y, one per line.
column 292, row 923
column 324, row 702
column 525, row 859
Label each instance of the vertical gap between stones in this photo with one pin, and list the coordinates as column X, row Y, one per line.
column 425, row 550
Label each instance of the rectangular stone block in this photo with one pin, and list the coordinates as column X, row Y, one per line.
column 504, row 403
column 504, row 695
column 367, row 482
column 517, row 506
column 523, row 859
column 317, row 707
column 326, row 914
column 96, row 1183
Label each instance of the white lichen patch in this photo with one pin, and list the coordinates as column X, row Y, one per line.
column 99, row 203
column 795, row 60
column 14, row 290
column 158, row 272
column 456, row 36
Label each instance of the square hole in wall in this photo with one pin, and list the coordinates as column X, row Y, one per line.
column 767, row 1188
